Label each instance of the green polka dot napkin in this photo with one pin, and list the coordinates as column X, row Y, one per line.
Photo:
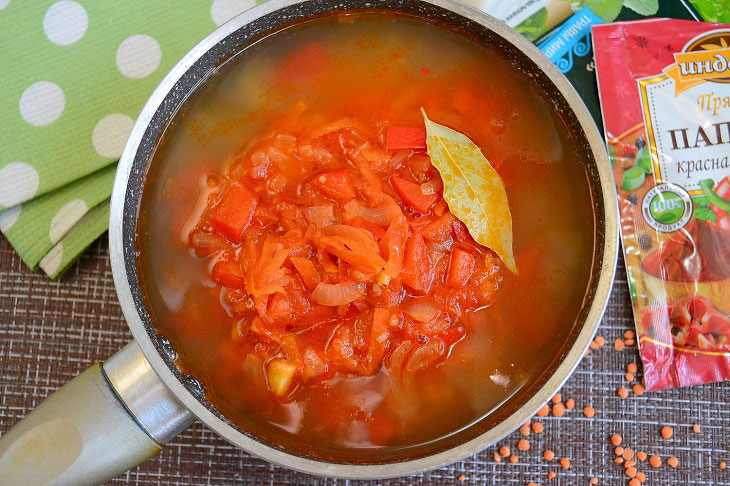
column 75, row 75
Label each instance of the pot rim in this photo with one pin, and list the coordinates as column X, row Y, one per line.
column 608, row 238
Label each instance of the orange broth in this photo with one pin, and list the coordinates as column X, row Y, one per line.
column 377, row 69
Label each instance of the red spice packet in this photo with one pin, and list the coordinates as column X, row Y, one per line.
column 664, row 86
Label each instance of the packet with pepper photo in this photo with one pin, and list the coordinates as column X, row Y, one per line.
column 664, row 86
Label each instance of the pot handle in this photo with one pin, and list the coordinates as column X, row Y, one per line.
column 102, row 423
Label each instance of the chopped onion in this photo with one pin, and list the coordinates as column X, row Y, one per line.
column 432, row 187
column 337, row 294
column 422, row 310
column 320, row 216
column 380, row 215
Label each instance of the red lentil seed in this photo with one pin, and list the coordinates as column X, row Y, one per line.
column 619, row 460
column 504, row 451
column 629, row 463
column 629, row 334
column 696, row 428
column 525, row 430
column 589, row 412
column 565, row 463
column 523, row 445
column 619, row 451
column 616, row 439
column 593, row 481
column 629, row 342
column 667, row 432
column 629, row 377
column 631, row 472
column 528, row 421
column 638, row 389
column 461, row 478
column 570, row 404
column 557, row 398
column 618, row 345
column 634, row 482
column 531, row 484
column 622, row 392
column 673, row 462
column 588, row 352
column 551, row 475
column 548, row 455
column 632, row 368
column 513, row 458
column 655, row 461
column 600, row 340
column 641, row 476
column 543, row 412
column 496, row 457
column 538, row 428
column 641, row 455
column 558, row 410
column 593, row 345
column 722, row 465
column 628, row 453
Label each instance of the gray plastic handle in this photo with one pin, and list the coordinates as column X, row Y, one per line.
column 86, row 433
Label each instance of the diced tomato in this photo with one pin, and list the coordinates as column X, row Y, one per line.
column 405, row 138
column 461, row 267
column 229, row 274
column 310, row 60
column 279, row 307
column 376, row 230
column 419, row 163
column 416, row 265
column 232, row 215
column 412, row 195
column 335, row 184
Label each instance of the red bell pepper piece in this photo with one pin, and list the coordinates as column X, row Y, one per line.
column 334, row 184
column 412, row 195
column 405, row 138
column 232, row 215
column 461, row 267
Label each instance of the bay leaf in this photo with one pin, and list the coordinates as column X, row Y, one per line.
column 473, row 190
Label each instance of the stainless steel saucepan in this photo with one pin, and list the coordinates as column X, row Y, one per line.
column 116, row 415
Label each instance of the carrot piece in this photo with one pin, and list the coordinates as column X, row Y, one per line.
column 416, row 265
column 412, row 196
column 229, row 274
column 334, row 184
column 232, row 215
column 307, row 270
column 441, row 229
column 359, row 222
column 405, row 138
column 461, row 267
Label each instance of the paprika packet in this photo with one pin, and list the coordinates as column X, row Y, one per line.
column 664, row 87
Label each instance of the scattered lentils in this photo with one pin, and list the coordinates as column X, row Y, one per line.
column 655, row 461
column 634, row 482
column 551, row 475
column 622, row 392
column 570, row 404
column 673, row 462
column 641, row 476
column 629, row 377
column 523, row 445
column 616, row 439
column 504, row 451
column 628, row 453
column 618, row 345
column 722, row 465
column 548, row 455
column 525, row 430
column 589, row 412
column 619, row 451
column 641, row 455
column 638, row 389
column 593, row 481
column 461, row 478
column 565, row 463
column 513, row 458
column 632, row 368
column 696, row 428
column 557, row 398
column 558, row 410
column 538, row 428
column 667, row 432
column 631, row 472
column 543, row 412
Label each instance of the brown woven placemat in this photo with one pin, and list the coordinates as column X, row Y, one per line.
column 50, row 331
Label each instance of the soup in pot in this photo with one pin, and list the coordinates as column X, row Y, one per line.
column 296, row 247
